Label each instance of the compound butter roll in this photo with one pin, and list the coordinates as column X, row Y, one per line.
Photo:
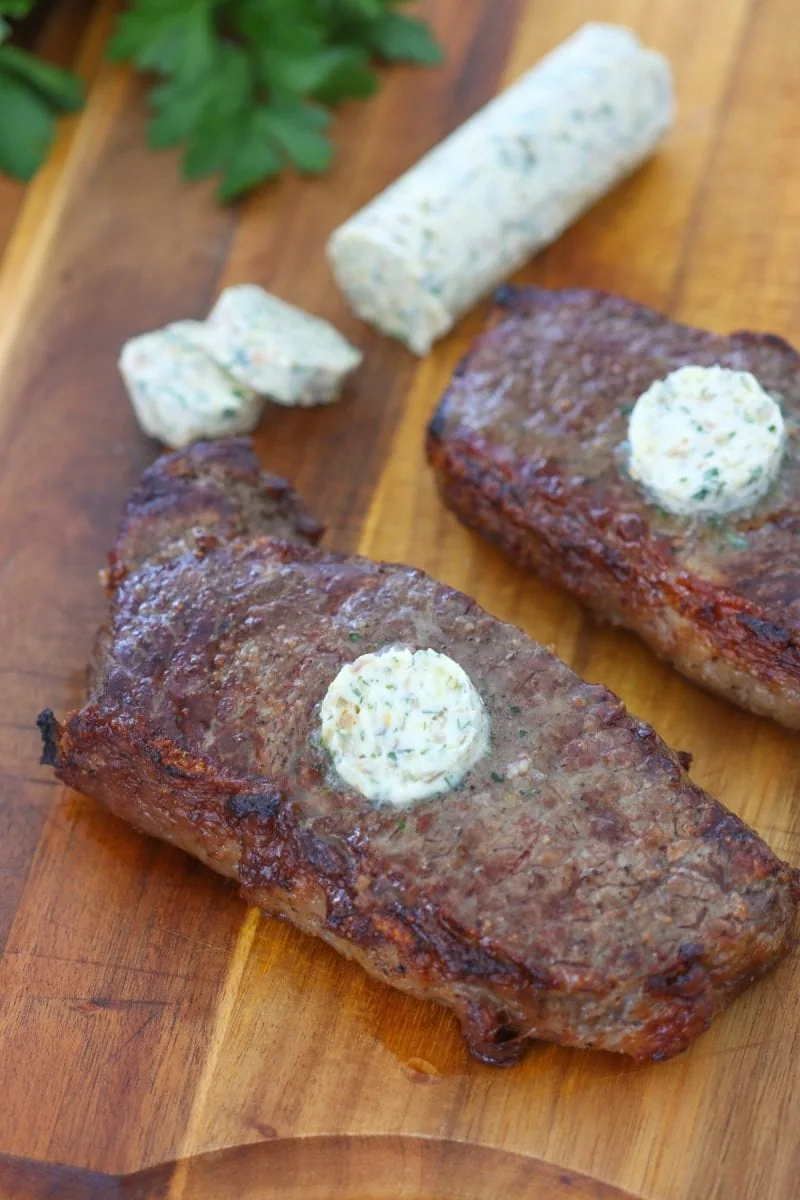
column 504, row 185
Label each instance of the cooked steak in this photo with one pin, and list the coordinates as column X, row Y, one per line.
column 528, row 447
column 215, row 490
column 576, row 886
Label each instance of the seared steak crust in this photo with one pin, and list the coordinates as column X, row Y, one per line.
column 528, row 448
column 576, row 887
column 214, row 491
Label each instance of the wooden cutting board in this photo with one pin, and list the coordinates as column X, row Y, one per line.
column 146, row 1016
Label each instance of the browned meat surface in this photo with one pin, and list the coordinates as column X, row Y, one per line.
column 575, row 887
column 527, row 445
column 214, row 490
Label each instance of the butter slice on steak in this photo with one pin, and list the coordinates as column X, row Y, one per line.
column 576, row 886
column 528, row 445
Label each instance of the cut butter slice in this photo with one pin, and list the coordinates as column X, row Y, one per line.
column 705, row 441
column 276, row 349
column 403, row 724
column 178, row 393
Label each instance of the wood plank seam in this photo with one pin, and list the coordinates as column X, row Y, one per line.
column 222, row 1019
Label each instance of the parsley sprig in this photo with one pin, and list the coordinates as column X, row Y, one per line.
column 32, row 94
column 247, row 85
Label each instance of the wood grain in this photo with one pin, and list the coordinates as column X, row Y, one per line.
column 156, row 1034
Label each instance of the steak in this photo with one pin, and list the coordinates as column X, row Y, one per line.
column 576, row 886
column 214, row 493
column 528, row 448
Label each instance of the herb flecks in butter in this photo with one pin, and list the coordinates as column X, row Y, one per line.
column 705, row 441
column 403, row 724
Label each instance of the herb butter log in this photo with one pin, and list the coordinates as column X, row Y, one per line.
column 374, row 757
column 504, row 185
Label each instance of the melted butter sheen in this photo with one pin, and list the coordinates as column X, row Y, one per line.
column 403, row 724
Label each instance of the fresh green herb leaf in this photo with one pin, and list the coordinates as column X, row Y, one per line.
column 219, row 117
column 400, row 826
column 171, row 37
column 180, row 108
column 497, row 778
column 253, row 158
column 309, row 73
column 27, row 127
column 210, row 146
column 350, row 78
column 293, row 26
column 246, row 84
column 295, row 130
column 16, row 8
column 62, row 89
column 32, row 92
column 355, row 637
column 405, row 39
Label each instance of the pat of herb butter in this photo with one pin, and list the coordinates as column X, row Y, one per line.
column 276, row 349
column 705, row 441
column 403, row 724
column 179, row 394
